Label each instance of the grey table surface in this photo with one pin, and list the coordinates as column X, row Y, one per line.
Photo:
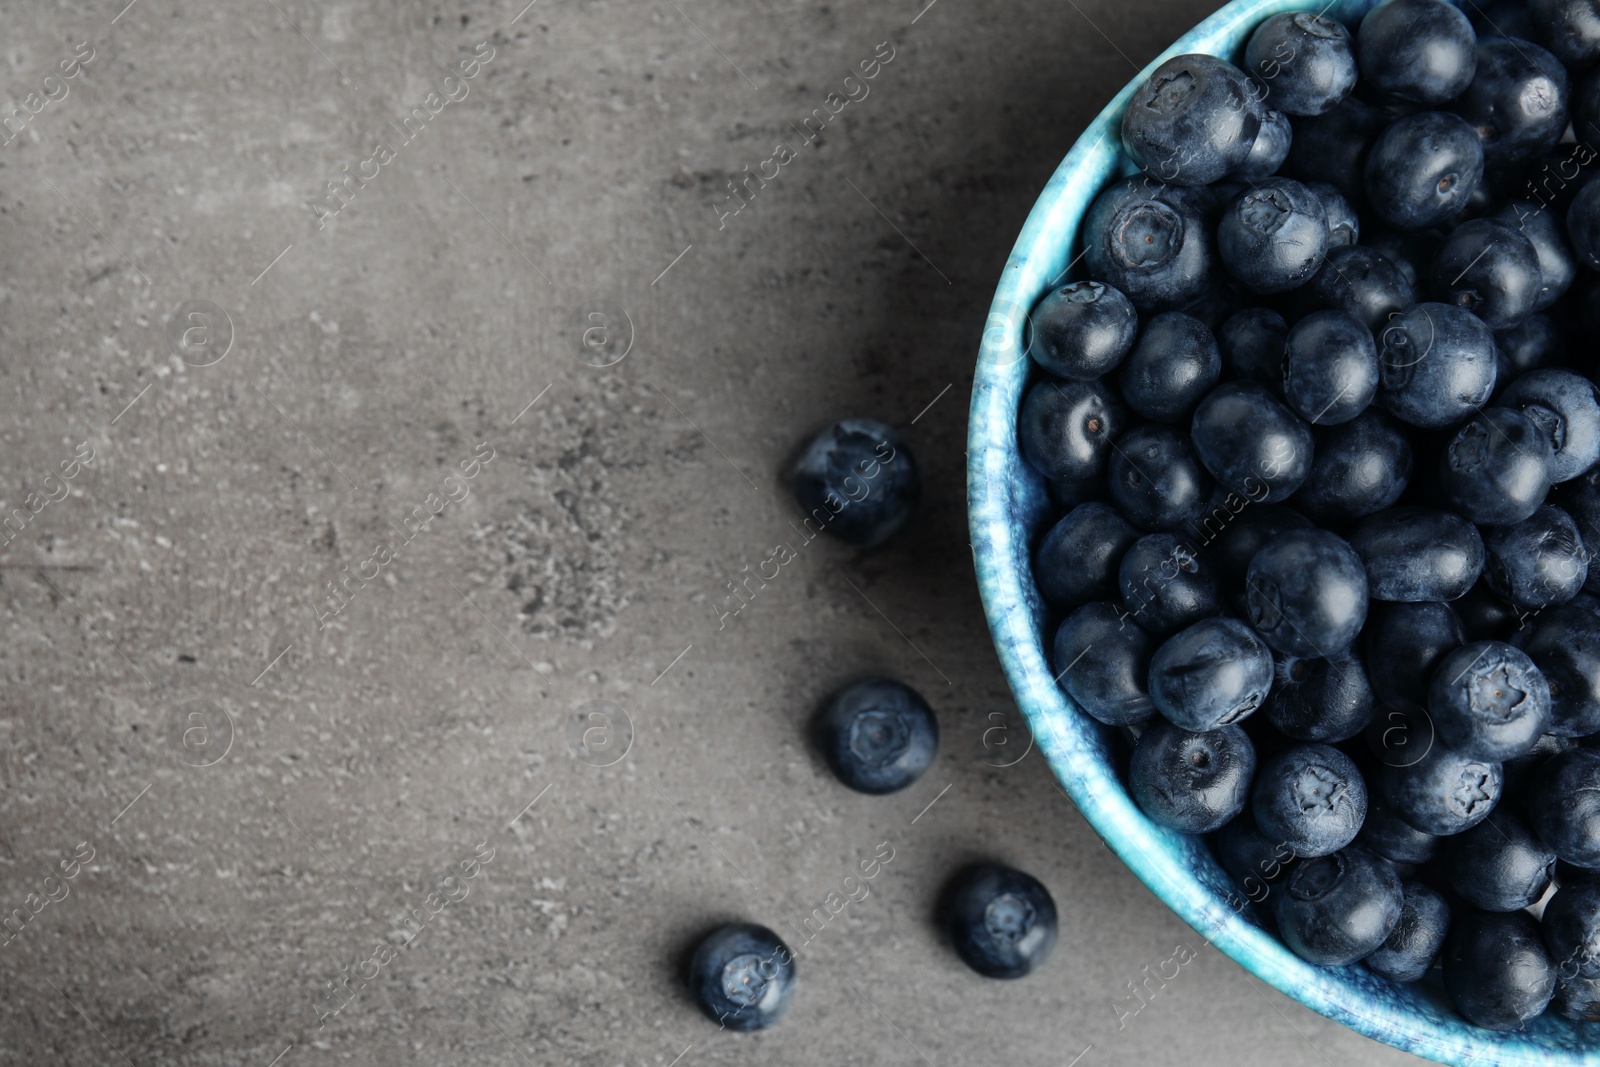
column 220, row 794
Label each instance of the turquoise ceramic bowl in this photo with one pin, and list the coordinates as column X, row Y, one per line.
column 1008, row 511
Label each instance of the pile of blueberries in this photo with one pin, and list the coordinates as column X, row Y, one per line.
column 858, row 482
column 1321, row 424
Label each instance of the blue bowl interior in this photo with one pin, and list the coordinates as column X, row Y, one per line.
column 1009, row 508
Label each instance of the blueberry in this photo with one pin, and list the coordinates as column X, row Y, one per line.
column 1496, row 970
column 1415, row 554
column 879, row 735
column 1252, row 345
column 1175, row 362
column 1577, row 999
column 1484, row 615
column 1363, row 282
column 1496, row 469
column 858, row 480
column 1156, row 479
column 1437, row 365
column 1545, row 230
column 1491, row 269
column 1583, row 224
column 1213, row 673
column 1537, row 562
column 1082, row 330
column 1488, row 701
column 1569, row 28
column 1517, row 100
column 1330, row 368
column 1154, row 246
column 1192, row 121
column 1270, row 149
column 1191, row 782
column 1273, row 235
column 1404, row 643
column 1166, row 584
column 1001, row 921
column 1424, row 168
column 1333, row 147
column 1251, row 442
column 1233, row 544
column 1102, row 661
column 1077, row 560
column 1571, row 928
column 1580, row 498
column 1306, row 593
column 1324, row 700
column 1441, row 792
column 1312, row 797
column 1067, row 428
column 1499, row 865
column 1305, row 62
column 1338, row 908
column 1344, row 224
column 1565, row 644
column 1392, row 837
column 1249, row 856
column 743, row 976
column 1564, row 805
column 1420, row 50
column 1565, row 408
column 1533, row 343
column 1411, row 947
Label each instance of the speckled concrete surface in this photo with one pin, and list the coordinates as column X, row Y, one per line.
column 221, row 404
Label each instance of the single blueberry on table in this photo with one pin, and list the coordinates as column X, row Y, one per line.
column 1569, row 28
column 1252, row 442
column 1412, row 946
column 1333, row 147
column 1156, row 479
column 1191, row 782
column 858, row 480
column 1270, row 149
column 1499, row 865
column 1082, row 330
column 1441, row 792
column 1066, row 428
column 1497, row 972
column 1152, row 244
column 1565, row 408
column 1001, row 921
column 1330, row 368
column 1538, row 562
column 1404, row 643
column 1103, row 662
column 1565, row 644
column 1304, row 61
column 1324, row 700
column 1174, row 363
column 1437, row 365
column 1533, row 343
column 1192, row 121
column 1339, row 907
column 1306, row 593
column 1167, row 583
column 1517, row 100
column 1424, row 168
column 1416, row 554
column 1251, row 342
column 743, row 976
column 1392, row 837
column 1491, row 269
column 1250, row 857
column 1571, row 928
column 1077, row 560
column 1312, row 797
column 1419, row 50
column 1488, row 701
column 1496, row 469
column 1213, row 673
column 1273, row 235
column 1564, row 805
column 879, row 735
column 1361, row 281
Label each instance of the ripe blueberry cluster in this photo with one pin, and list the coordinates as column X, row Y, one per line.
column 1327, row 468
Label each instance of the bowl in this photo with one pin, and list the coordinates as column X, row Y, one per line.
column 1008, row 508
